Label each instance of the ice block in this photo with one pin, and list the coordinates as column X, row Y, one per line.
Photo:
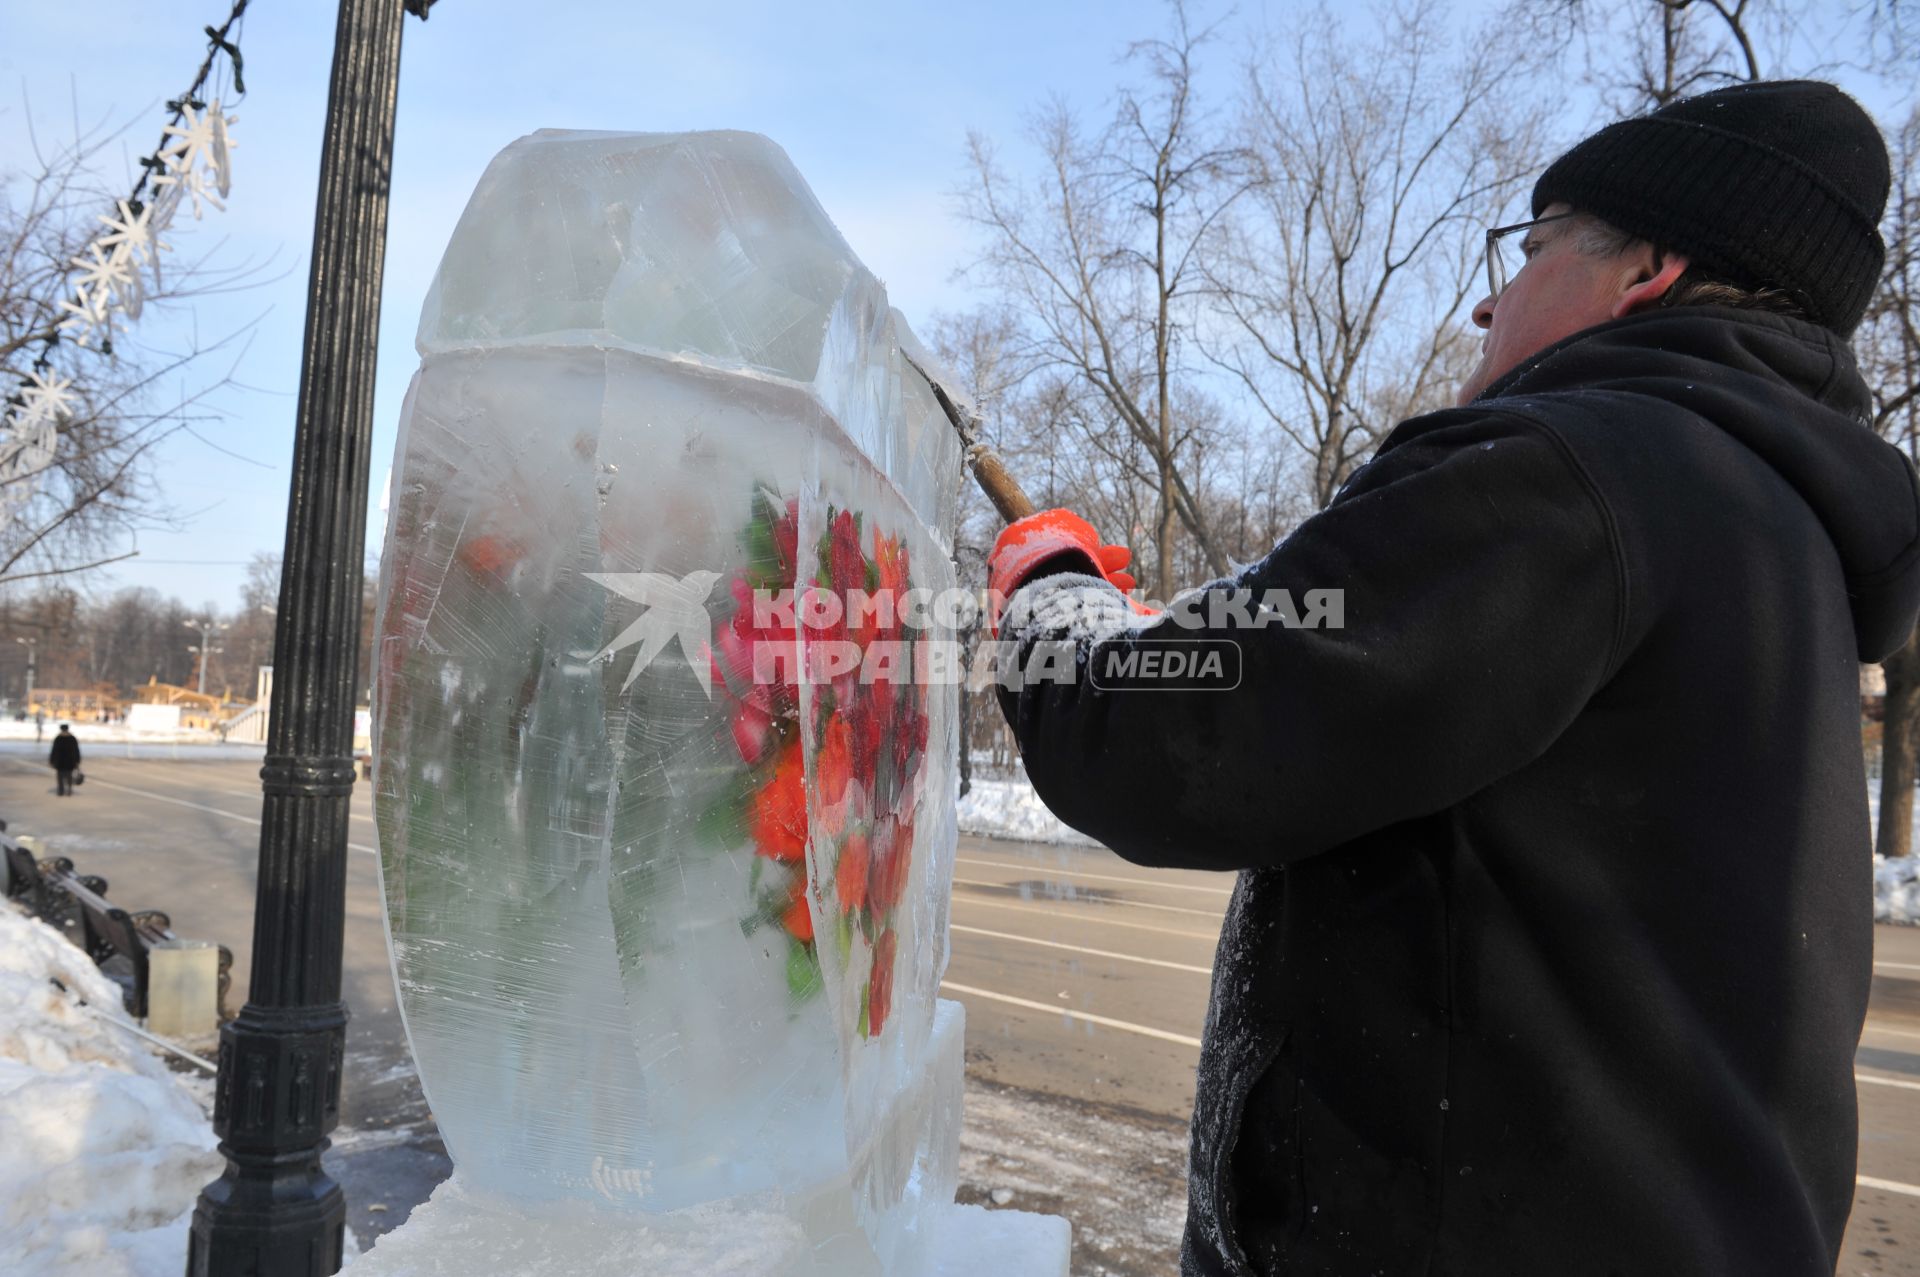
column 666, row 863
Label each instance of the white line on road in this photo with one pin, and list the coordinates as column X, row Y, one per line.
column 237, row 793
column 1899, row 966
column 1078, row 873
column 1101, row 1020
column 181, row 802
column 1098, row 953
column 1083, row 919
column 1098, row 900
column 1886, row 1081
column 1900, row 1033
column 1889, row 1185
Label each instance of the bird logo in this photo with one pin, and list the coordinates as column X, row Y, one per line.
column 676, row 608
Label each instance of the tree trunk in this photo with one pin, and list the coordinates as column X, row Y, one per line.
column 1895, row 837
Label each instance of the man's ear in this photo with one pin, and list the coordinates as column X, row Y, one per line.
column 1650, row 285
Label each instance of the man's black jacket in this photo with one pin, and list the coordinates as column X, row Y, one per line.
column 1551, row 942
column 65, row 755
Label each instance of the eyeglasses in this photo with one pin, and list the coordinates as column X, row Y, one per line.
column 1501, row 245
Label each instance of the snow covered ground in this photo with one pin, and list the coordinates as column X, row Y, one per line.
column 1896, row 883
column 1008, row 808
column 12, row 729
column 106, row 1150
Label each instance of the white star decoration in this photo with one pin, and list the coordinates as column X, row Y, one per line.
column 110, row 277
column 199, row 159
column 85, row 315
column 135, row 232
column 47, row 395
column 192, row 137
column 107, row 287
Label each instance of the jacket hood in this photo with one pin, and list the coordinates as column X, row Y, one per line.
column 1790, row 392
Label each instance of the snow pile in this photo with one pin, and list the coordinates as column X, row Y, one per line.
column 1896, row 883
column 1010, row 809
column 1896, row 889
column 105, row 1149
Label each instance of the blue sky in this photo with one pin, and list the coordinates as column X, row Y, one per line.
column 872, row 101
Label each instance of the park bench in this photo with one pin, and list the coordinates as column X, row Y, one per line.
column 117, row 940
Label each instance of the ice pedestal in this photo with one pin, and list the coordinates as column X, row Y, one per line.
column 666, row 877
column 464, row 1230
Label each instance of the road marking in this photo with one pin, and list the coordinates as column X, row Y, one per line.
column 1076, row 873
column 1098, row 953
column 1899, row 966
column 1096, row 900
column 1902, row 1033
column 1886, row 1081
column 1101, row 1020
column 237, row 793
column 1889, row 1185
column 181, row 802
column 1083, row 919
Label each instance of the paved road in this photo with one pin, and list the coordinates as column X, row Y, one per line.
column 1085, row 981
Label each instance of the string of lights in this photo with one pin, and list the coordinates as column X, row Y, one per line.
column 191, row 166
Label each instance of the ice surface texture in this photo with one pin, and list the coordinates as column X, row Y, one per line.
column 667, row 936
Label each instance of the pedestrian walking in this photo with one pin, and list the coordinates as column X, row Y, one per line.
column 65, row 758
column 1551, row 942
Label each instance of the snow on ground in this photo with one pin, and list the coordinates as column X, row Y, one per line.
column 105, row 1150
column 1119, row 1175
column 12, row 729
column 1896, row 883
column 1010, row 809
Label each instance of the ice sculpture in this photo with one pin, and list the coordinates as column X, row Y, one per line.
column 666, row 879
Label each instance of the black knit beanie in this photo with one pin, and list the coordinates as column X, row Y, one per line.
column 1776, row 184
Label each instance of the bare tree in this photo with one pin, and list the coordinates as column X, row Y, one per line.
column 1888, row 344
column 80, row 506
column 1099, row 260
column 1646, row 53
column 1380, row 160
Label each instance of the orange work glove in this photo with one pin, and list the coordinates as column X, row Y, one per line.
column 1059, row 540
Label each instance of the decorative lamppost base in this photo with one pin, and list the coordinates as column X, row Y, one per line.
column 260, row 1232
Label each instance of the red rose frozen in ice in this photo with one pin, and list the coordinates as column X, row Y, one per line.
column 780, row 810
column 833, row 764
column 489, row 555
column 798, row 920
column 880, row 989
column 850, row 875
column 892, row 851
column 890, row 563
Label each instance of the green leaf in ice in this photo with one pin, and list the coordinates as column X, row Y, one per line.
column 803, row 972
column 722, row 825
column 862, row 1026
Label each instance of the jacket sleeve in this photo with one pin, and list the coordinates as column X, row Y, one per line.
column 1482, row 603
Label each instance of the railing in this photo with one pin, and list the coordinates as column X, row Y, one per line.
column 248, row 727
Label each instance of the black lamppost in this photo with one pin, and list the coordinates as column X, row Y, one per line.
column 274, row 1210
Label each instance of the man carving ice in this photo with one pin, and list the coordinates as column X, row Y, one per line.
column 1551, row 942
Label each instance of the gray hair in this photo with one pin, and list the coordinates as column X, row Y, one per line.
column 1592, row 237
